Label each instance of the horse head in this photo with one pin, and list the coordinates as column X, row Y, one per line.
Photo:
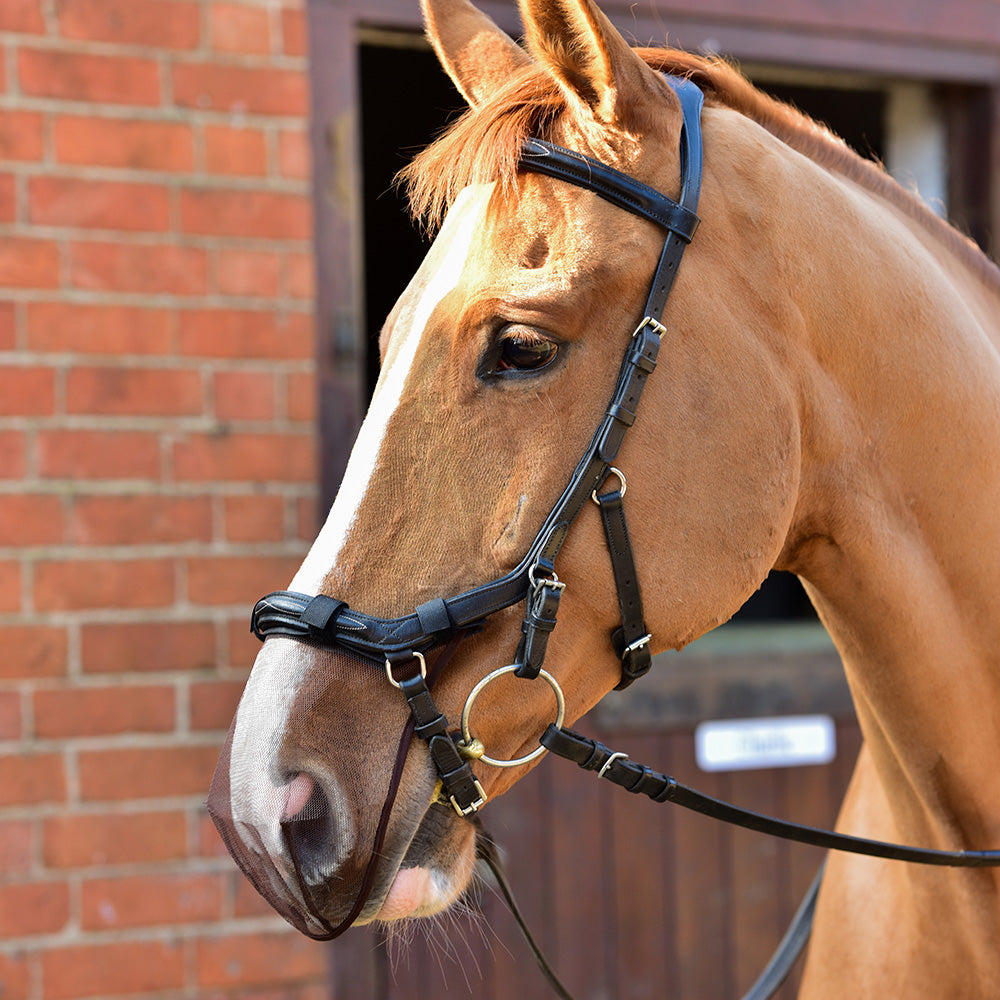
column 497, row 364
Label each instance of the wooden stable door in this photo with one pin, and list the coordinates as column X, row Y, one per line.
column 629, row 900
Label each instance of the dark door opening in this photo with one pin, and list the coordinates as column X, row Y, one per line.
column 406, row 101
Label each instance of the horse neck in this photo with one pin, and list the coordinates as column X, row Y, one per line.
column 896, row 524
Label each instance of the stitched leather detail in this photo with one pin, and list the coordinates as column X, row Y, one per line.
column 611, row 185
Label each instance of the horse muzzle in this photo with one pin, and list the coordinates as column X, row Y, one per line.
column 332, row 822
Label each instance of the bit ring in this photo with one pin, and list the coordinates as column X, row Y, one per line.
column 475, row 692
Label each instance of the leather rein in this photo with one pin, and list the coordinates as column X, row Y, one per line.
column 400, row 644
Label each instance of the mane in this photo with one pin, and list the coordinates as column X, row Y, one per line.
column 484, row 145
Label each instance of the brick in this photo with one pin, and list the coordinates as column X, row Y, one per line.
column 8, row 326
column 248, row 272
column 255, row 518
column 247, row 214
column 8, row 198
column 32, row 651
column 237, row 579
column 300, row 275
column 307, row 518
column 213, row 704
column 131, row 144
column 17, row 848
column 76, row 76
column 210, row 844
column 30, row 519
column 108, row 775
column 147, row 900
column 294, row 154
column 10, row 715
column 132, row 391
column 247, row 901
column 242, row 643
column 94, row 839
column 236, row 151
column 73, row 712
column 268, row 91
column 92, row 329
column 26, row 391
column 10, row 585
column 235, row 333
column 146, row 648
column 244, row 395
column 124, row 520
column 301, row 396
column 90, row 204
column 245, row 458
column 258, row 959
column 293, row 32
column 87, row 454
column 103, row 970
column 33, row 908
column 235, row 27
column 99, row 583
column 22, row 16
column 12, row 455
column 28, row 263
column 141, row 268
column 15, row 975
column 31, row 778
column 168, row 25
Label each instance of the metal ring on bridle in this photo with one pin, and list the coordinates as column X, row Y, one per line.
column 474, row 693
column 416, row 656
column 621, row 479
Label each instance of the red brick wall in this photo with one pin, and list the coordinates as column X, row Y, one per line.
column 157, row 469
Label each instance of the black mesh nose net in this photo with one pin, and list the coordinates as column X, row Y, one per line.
column 295, row 862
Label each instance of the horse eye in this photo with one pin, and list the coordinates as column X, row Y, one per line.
column 523, row 349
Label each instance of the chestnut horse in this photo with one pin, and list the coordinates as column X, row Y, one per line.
column 827, row 402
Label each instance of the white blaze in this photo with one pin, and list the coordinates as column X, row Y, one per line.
column 457, row 233
column 283, row 663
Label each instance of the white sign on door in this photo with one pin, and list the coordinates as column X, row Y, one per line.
column 742, row 744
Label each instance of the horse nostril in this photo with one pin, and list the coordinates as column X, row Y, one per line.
column 307, row 824
column 297, row 794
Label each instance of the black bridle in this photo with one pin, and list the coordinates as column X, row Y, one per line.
column 400, row 644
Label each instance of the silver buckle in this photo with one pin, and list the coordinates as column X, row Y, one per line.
column 610, row 761
column 552, row 582
column 637, row 645
column 658, row 328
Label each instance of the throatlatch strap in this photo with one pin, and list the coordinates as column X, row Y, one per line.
column 631, row 641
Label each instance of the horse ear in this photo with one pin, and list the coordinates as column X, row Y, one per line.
column 593, row 63
column 474, row 52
